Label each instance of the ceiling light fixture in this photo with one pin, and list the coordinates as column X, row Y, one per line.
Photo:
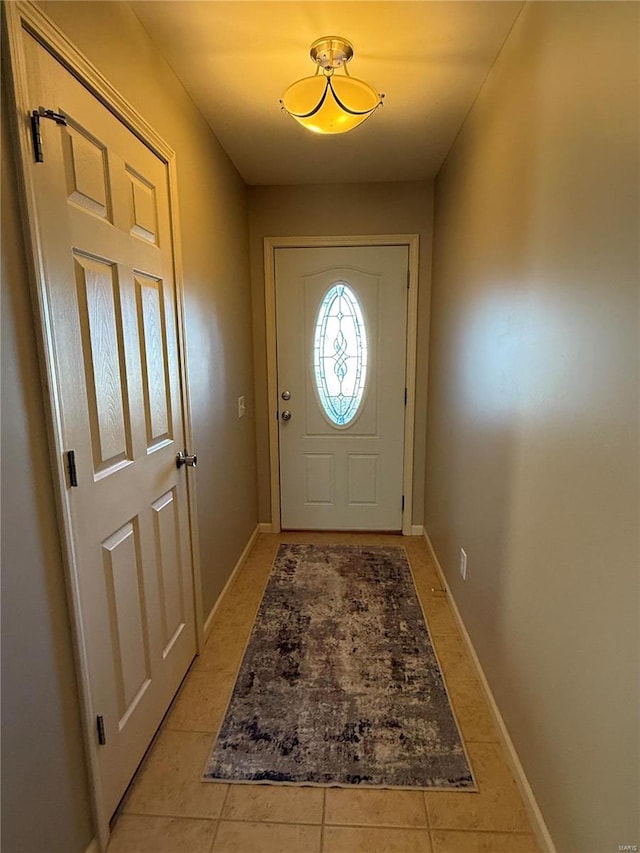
column 328, row 103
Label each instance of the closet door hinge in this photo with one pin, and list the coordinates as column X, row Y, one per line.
column 102, row 738
column 36, row 137
column 71, row 468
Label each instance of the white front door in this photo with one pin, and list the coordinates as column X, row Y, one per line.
column 341, row 317
column 103, row 218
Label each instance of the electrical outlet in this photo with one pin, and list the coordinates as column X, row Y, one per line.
column 242, row 407
column 463, row 564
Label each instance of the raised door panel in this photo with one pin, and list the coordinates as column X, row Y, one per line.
column 319, row 479
column 152, row 331
column 105, row 374
column 126, row 604
column 143, row 210
column 168, row 561
column 87, row 173
column 363, row 485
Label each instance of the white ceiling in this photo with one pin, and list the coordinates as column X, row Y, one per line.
column 236, row 58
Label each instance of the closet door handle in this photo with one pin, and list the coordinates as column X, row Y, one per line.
column 186, row 459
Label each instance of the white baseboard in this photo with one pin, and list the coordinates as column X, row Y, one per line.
column 535, row 815
column 265, row 527
column 94, row 847
column 417, row 530
column 242, row 559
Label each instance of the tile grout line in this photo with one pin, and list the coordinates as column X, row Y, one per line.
column 432, row 846
column 477, row 831
column 217, row 830
column 426, row 808
column 324, row 812
column 171, row 816
column 399, row 826
column 192, row 732
column 231, row 819
column 477, row 740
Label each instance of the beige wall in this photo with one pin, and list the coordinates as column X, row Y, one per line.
column 42, row 766
column 347, row 209
column 532, row 462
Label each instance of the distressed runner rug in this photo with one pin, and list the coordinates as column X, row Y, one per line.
column 339, row 684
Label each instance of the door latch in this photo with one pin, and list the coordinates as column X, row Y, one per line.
column 186, row 459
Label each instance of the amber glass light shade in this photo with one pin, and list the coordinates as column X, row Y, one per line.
column 330, row 103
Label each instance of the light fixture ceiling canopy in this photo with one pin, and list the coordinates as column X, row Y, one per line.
column 327, row 102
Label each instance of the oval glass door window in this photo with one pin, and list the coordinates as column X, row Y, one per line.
column 340, row 354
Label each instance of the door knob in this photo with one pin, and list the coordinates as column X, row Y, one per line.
column 286, row 415
column 286, row 395
column 186, row 459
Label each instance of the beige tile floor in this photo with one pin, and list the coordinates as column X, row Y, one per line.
column 168, row 810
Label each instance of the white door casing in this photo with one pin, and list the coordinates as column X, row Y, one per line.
column 104, row 243
column 348, row 476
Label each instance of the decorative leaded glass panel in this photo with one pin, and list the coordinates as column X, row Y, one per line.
column 340, row 354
